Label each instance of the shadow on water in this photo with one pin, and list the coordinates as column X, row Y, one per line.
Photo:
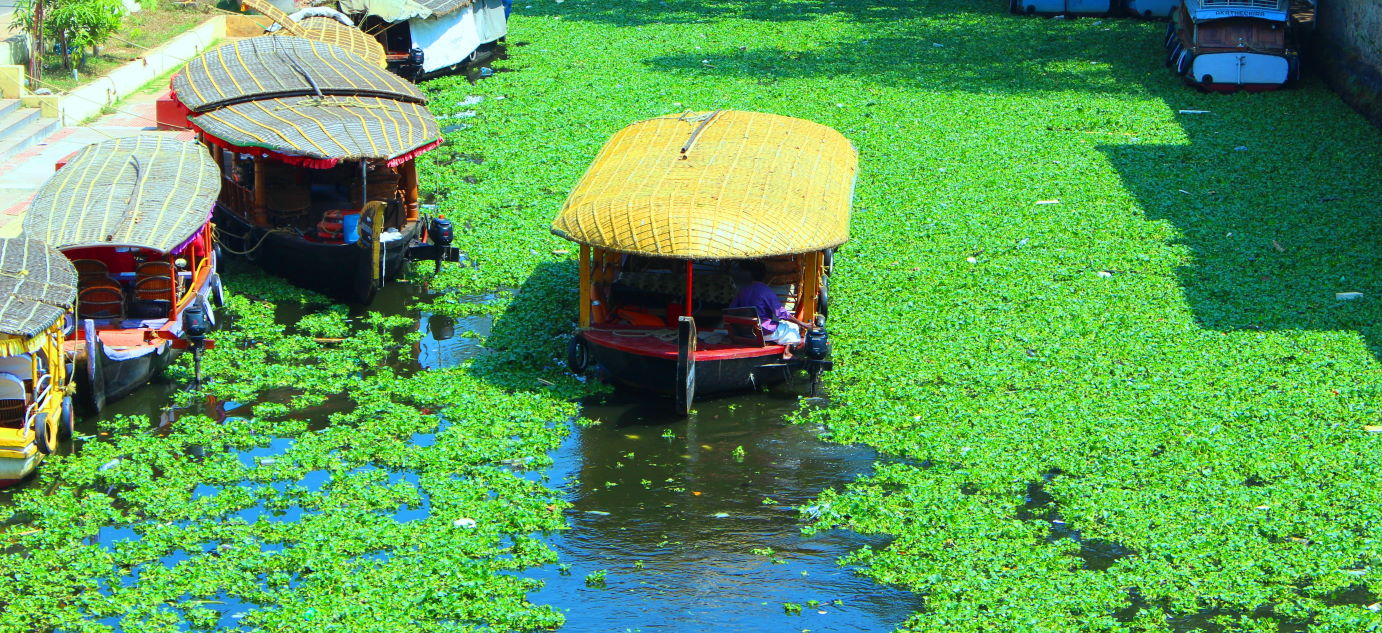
column 693, row 522
column 1269, row 262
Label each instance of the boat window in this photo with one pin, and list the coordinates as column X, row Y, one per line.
column 650, row 291
column 1241, row 33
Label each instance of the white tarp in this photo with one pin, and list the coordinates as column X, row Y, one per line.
column 449, row 39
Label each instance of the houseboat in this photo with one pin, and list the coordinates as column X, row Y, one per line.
column 133, row 215
column 322, row 24
column 427, row 38
column 705, row 246
column 316, row 150
column 40, row 286
column 1231, row 45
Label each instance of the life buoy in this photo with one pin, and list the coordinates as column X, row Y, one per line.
column 331, row 227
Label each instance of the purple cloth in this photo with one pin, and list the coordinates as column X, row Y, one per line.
column 759, row 295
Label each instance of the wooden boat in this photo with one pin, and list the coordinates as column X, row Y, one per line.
column 1231, row 45
column 133, row 214
column 670, row 209
column 39, row 284
column 429, row 38
column 316, row 149
column 322, row 24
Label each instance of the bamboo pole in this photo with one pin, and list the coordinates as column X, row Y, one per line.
column 260, row 214
column 408, row 183
column 585, row 286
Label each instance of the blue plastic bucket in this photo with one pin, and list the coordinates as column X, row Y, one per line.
column 350, row 226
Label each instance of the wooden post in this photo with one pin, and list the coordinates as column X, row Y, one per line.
column 260, row 213
column 687, row 307
column 585, row 286
column 407, row 181
column 809, row 285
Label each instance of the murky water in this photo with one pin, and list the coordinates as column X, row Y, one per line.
column 693, row 523
column 677, row 523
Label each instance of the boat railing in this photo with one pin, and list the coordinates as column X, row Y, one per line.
column 236, row 196
column 42, row 387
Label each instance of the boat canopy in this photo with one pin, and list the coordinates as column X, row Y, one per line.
column 147, row 191
column 318, row 132
column 715, row 185
column 283, row 66
column 39, row 285
column 322, row 24
column 1275, row 10
column 400, row 10
column 329, row 31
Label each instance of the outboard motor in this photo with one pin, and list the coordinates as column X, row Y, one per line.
column 441, row 233
column 817, row 349
column 194, row 327
column 817, row 344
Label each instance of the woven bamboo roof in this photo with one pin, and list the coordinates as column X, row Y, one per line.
column 283, row 66
column 351, row 39
column 715, row 185
column 323, row 29
column 38, row 284
column 148, row 190
column 343, row 128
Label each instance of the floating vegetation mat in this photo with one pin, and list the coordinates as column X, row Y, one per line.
column 319, row 481
column 1130, row 354
column 1056, row 280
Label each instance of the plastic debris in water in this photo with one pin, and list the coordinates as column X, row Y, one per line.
column 1348, row 296
column 464, row 522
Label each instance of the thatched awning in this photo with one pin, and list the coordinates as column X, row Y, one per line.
column 38, row 285
column 283, row 66
column 329, row 31
column 147, row 191
column 330, row 129
column 718, row 185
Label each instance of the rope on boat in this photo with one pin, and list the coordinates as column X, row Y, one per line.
column 216, row 231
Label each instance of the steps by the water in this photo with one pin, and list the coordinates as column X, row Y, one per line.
column 21, row 127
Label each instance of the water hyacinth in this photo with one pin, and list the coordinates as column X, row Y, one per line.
column 1141, row 408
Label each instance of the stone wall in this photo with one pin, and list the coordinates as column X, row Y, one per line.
column 1348, row 50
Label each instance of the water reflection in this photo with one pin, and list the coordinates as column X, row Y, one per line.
column 675, row 522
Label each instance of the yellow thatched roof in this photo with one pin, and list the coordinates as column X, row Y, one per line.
column 714, row 186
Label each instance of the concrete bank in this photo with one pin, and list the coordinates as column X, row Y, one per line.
column 1348, row 43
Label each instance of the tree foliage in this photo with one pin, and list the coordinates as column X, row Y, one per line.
column 73, row 24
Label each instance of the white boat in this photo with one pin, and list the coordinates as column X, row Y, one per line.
column 1230, row 45
column 426, row 38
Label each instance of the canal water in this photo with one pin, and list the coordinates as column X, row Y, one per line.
column 677, row 523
